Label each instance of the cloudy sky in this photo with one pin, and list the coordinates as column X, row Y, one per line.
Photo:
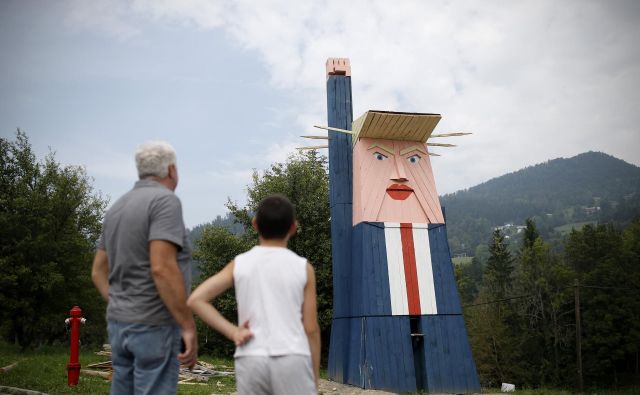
column 232, row 84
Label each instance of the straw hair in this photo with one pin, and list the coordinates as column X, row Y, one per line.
column 404, row 126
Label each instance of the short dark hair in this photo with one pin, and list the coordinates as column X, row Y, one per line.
column 274, row 217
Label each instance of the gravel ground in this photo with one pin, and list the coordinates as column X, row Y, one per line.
column 330, row 387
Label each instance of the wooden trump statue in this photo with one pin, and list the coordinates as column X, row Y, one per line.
column 397, row 321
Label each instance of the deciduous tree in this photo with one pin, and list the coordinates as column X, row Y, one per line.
column 50, row 219
column 303, row 178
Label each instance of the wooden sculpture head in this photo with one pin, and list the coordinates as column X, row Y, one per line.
column 392, row 176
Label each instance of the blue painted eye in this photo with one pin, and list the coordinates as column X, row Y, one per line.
column 414, row 158
column 379, row 156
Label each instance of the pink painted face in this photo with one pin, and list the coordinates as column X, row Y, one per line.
column 393, row 182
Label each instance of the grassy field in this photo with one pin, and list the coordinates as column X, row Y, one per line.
column 566, row 229
column 461, row 260
column 46, row 370
column 548, row 391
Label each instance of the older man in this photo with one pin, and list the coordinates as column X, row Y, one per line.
column 142, row 268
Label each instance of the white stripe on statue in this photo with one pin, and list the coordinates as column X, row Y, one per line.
column 425, row 271
column 395, row 268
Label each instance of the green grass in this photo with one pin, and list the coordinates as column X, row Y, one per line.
column 45, row 370
column 548, row 391
column 566, row 229
column 462, row 260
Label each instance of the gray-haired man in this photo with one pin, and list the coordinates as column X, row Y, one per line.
column 142, row 268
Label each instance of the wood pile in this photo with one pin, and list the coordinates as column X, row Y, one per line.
column 200, row 374
column 8, row 368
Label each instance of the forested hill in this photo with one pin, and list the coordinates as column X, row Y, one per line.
column 588, row 187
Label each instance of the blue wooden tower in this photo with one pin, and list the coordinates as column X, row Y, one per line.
column 380, row 338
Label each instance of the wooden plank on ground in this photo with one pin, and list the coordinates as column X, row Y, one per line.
column 8, row 367
column 96, row 373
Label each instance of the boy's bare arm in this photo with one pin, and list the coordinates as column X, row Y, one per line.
column 209, row 290
column 310, row 320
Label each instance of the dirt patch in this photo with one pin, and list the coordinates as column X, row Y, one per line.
column 330, row 387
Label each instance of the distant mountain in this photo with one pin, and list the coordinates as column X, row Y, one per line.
column 588, row 187
column 227, row 222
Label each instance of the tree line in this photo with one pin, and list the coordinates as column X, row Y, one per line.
column 520, row 309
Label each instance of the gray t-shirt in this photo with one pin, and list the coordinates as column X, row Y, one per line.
column 150, row 211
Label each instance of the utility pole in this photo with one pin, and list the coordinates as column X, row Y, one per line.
column 576, row 291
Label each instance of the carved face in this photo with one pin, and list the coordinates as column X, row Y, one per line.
column 393, row 182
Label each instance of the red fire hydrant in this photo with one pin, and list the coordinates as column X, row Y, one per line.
column 73, row 367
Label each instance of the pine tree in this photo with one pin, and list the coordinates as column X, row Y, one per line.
column 531, row 233
column 498, row 274
column 609, row 270
column 543, row 312
column 493, row 327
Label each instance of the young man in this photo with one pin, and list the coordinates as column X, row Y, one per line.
column 278, row 343
column 142, row 268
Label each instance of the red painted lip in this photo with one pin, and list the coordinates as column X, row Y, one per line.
column 399, row 191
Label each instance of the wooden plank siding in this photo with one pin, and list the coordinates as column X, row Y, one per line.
column 388, row 359
column 382, row 354
column 428, row 187
column 447, row 299
column 374, row 281
column 340, row 115
column 371, row 178
column 371, row 344
column 340, row 144
column 343, row 277
column 449, row 364
column 344, row 342
column 337, row 350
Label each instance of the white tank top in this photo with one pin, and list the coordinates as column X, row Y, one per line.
column 269, row 285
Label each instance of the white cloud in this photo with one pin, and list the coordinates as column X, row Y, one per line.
column 202, row 13
column 279, row 152
column 106, row 16
column 233, row 176
column 110, row 164
column 533, row 80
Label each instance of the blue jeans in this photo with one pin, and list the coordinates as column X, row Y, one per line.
column 144, row 358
